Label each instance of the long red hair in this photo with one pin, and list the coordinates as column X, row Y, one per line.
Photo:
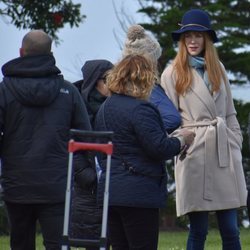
column 183, row 72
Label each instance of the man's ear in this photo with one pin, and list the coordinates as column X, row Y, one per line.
column 21, row 52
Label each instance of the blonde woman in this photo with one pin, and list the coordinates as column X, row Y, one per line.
column 210, row 177
column 141, row 146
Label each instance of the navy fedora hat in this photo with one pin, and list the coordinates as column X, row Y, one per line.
column 195, row 20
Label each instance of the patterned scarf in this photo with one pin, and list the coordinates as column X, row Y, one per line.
column 198, row 63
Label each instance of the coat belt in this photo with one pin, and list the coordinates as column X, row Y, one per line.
column 215, row 128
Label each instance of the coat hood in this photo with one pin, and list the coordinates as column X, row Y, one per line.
column 33, row 80
column 31, row 66
column 93, row 70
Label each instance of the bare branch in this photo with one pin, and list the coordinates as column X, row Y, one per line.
column 124, row 20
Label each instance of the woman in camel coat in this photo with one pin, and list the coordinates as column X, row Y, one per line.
column 210, row 176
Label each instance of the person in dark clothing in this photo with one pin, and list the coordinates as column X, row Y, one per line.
column 93, row 88
column 141, row 145
column 138, row 42
column 37, row 110
column 170, row 115
column 86, row 216
column 248, row 194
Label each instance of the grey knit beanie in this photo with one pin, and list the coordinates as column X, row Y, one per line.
column 139, row 42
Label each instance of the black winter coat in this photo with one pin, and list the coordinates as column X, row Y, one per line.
column 141, row 146
column 37, row 110
column 92, row 70
column 86, row 215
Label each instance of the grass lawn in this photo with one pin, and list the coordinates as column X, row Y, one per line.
column 168, row 241
column 177, row 240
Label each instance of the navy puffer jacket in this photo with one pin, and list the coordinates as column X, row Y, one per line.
column 141, row 145
column 37, row 110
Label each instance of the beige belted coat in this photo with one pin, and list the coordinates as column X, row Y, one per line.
column 211, row 176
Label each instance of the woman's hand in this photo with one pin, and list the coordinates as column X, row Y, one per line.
column 188, row 136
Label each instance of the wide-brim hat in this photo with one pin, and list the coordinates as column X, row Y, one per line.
column 195, row 20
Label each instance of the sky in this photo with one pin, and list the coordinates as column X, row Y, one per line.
column 100, row 36
column 93, row 39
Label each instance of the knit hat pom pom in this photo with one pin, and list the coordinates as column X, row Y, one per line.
column 136, row 32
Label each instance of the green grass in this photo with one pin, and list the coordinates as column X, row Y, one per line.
column 177, row 240
column 168, row 241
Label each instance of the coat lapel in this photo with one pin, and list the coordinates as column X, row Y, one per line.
column 200, row 89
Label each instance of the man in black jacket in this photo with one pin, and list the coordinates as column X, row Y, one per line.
column 37, row 110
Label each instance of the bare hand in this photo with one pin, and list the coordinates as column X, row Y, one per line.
column 188, row 136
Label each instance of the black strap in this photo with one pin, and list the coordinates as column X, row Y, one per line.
column 125, row 164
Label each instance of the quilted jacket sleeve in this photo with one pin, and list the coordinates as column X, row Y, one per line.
column 170, row 115
column 151, row 133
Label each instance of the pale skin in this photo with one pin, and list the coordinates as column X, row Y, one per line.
column 194, row 42
column 35, row 42
column 102, row 87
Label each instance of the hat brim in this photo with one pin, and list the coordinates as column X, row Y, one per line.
column 177, row 34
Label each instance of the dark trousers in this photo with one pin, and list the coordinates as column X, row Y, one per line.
column 228, row 226
column 248, row 204
column 23, row 219
column 132, row 228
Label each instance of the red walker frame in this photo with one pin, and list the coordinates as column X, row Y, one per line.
column 106, row 148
